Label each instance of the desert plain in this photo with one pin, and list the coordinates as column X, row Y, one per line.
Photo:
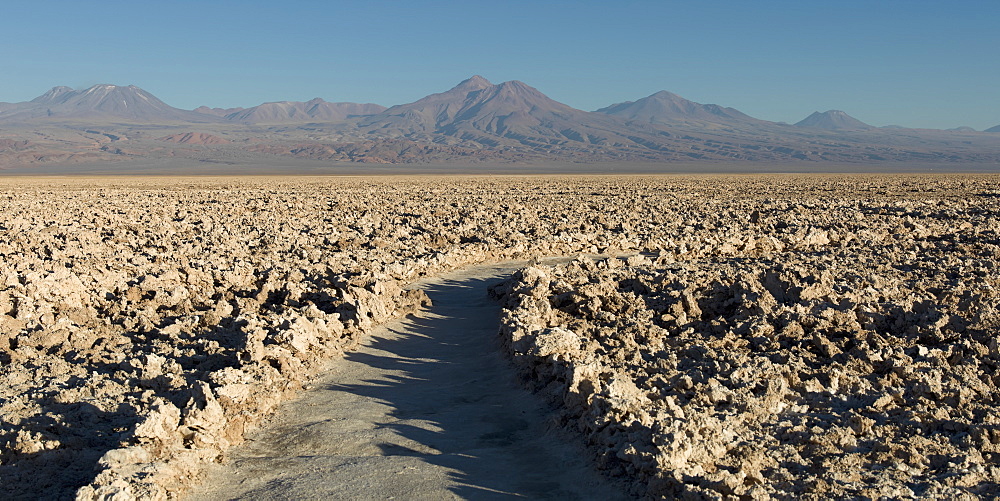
column 712, row 336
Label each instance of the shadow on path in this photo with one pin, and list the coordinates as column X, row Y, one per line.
column 427, row 409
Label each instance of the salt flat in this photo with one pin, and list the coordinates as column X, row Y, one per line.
column 150, row 323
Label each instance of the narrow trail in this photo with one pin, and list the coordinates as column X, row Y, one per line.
column 427, row 408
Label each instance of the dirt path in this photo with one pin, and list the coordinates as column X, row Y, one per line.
column 426, row 409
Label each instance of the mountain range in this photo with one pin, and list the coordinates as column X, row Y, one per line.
column 314, row 110
column 479, row 111
column 474, row 121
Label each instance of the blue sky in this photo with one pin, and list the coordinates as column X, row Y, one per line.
column 915, row 63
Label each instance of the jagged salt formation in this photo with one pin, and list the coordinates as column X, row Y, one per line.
column 843, row 346
column 836, row 373
column 146, row 324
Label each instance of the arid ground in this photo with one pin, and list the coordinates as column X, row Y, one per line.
column 720, row 336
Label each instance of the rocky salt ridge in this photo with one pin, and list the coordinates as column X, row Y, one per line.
column 857, row 371
column 148, row 323
column 147, row 329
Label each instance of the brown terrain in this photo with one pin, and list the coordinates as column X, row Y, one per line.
column 194, row 138
column 476, row 122
column 762, row 336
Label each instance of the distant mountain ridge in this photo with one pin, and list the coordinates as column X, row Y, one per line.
column 667, row 108
column 314, row 110
column 101, row 102
column 993, row 129
column 833, row 120
column 136, row 104
column 480, row 111
column 475, row 120
column 133, row 104
column 219, row 112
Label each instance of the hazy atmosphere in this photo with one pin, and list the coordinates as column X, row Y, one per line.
column 911, row 63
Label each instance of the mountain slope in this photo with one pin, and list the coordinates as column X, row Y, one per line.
column 428, row 113
column 55, row 95
column 993, row 129
column 315, row 110
column 833, row 120
column 102, row 102
column 506, row 113
column 219, row 112
column 666, row 108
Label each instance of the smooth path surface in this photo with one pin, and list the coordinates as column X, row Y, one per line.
column 427, row 409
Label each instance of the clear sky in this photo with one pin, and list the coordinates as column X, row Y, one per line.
column 916, row 63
